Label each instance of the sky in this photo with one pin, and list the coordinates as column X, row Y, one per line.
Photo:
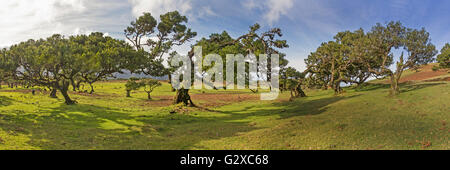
column 305, row 23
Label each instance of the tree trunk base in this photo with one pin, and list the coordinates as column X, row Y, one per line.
column 64, row 93
column 182, row 96
column 53, row 94
column 149, row 97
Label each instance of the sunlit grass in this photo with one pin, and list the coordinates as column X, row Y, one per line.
column 364, row 118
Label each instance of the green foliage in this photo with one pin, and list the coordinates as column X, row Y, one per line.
column 355, row 56
column 290, row 77
column 135, row 83
column 101, row 56
column 444, row 58
column 50, row 62
column 57, row 62
column 132, row 84
column 170, row 31
column 435, row 68
column 7, row 65
column 150, row 84
column 250, row 43
column 337, row 61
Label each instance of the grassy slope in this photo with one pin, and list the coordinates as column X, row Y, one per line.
column 356, row 120
column 364, row 119
column 409, row 74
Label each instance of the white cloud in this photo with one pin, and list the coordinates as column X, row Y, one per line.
column 251, row 4
column 21, row 20
column 185, row 7
column 273, row 9
column 188, row 8
column 158, row 7
column 276, row 9
column 24, row 19
column 205, row 12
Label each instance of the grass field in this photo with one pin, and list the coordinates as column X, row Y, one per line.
column 364, row 118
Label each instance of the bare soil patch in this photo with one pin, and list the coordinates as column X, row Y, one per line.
column 206, row 100
column 216, row 100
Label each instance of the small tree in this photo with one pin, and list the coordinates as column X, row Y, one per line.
column 149, row 86
column 131, row 85
column 444, row 58
column 294, row 80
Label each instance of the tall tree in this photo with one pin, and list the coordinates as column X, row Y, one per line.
column 382, row 39
column 337, row 62
column 444, row 58
column 56, row 62
column 46, row 62
column 7, row 66
column 158, row 38
column 249, row 43
column 102, row 56
column 322, row 65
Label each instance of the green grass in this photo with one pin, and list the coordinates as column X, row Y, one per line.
column 366, row 118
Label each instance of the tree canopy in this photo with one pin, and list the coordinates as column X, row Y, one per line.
column 444, row 57
column 57, row 62
column 355, row 56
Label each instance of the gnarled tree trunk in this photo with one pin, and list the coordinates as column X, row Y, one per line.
column 67, row 99
column 337, row 87
column 148, row 96
column 92, row 88
column 182, row 96
column 63, row 87
column 170, row 83
column 297, row 91
column 53, row 93
column 395, row 78
column 74, row 86
column 395, row 90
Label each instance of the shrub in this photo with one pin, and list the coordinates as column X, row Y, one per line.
column 435, row 68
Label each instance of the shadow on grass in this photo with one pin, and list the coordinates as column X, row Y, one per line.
column 371, row 86
column 84, row 126
column 5, row 101
column 412, row 87
column 298, row 107
column 311, row 107
column 405, row 87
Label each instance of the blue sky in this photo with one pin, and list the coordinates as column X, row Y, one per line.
column 305, row 23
